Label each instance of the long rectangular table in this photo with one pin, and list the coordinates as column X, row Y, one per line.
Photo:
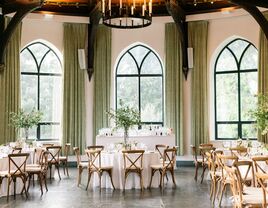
column 149, row 141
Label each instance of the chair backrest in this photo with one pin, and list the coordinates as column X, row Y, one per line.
column 77, row 154
column 169, row 159
column 94, row 159
column 16, row 150
column 67, row 148
column 226, row 160
column 194, row 152
column 44, row 160
column 259, row 163
column 47, row 145
column 95, row 147
column 203, row 149
column 37, row 157
column 246, row 172
column 17, row 163
column 262, row 179
column 160, row 149
column 54, row 153
column 239, row 151
column 133, row 159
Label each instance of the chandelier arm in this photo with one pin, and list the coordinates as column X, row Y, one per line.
column 179, row 17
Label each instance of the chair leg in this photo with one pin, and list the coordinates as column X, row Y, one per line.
column 221, row 194
column 14, row 191
column 88, row 180
column 203, row 173
column 8, row 187
column 100, row 174
column 173, row 177
column 110, row 174
column 44, row 175
column 67, row 171
column 141, row 181
column 63, row 166
column 126, row 175
column 58, row 168
column 80, row 170
column 40, row 182
column 152, row 174
column 29, row 181
column 196, row 171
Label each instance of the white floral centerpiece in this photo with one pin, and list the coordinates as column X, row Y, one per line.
column 125, row 117
column 24, row 120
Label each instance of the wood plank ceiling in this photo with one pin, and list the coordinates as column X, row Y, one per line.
column 83, row 7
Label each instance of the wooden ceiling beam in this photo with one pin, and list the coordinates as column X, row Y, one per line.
column 179, row 17
column 6, row 33
column 95, row 16
column 254, row 12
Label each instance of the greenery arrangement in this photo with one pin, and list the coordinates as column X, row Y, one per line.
column 261, row 113
column 24, row 120
column 125, row 117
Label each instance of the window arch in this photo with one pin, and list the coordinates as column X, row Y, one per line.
column 235, row 82
column 41, row 85
column 139, row 83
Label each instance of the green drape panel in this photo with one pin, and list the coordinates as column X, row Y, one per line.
column 173, row 83
column 10, row 86
column 197, row 37
column 102, row 79
column 74, row 115
column 263, row 71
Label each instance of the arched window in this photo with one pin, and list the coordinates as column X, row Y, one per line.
column 236, row 81
column 41, row 85
column 139, row 83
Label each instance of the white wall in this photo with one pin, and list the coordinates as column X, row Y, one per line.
column 221, row 28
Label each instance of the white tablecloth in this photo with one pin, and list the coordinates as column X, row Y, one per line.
column 149, row 141
column 133, row 181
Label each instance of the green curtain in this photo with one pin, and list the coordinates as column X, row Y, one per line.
column 10, row 86
column 263, row 71
column 102, row 79
column 173, row 84
column 74, row 109
column 197, row 37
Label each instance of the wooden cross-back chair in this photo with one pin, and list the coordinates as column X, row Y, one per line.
column 16, row 169
column 53, row 158
column 225, row 161
column 262, row 179
column 16, row 150
column 197, row 161
column 239, row 198
column 64, row 159
column 259, row 163
column 160, row 149
column 168, row 165
column 133, row 163
column 40, row 170
column 246, row 172
column 203, row 148
column 95, row 166
column 80, row 165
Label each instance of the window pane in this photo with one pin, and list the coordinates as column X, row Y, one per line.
column 50, row 98
column 238, row 46
column 151, row 65
column 39, row 51
column 127, row 65
column 50, row 131
column 249, row 131
column 227, row 131
column 128, row 90
column 151, row 99
column 250, row 59
column 227, row 97
column 248, row 90
column 29, row 92
column 139, row 53
column 27, row 63
column 226, row 61
column 50, row 64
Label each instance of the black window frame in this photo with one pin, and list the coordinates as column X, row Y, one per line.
column 239, row 123
column 139, row 76
column 39, row 74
